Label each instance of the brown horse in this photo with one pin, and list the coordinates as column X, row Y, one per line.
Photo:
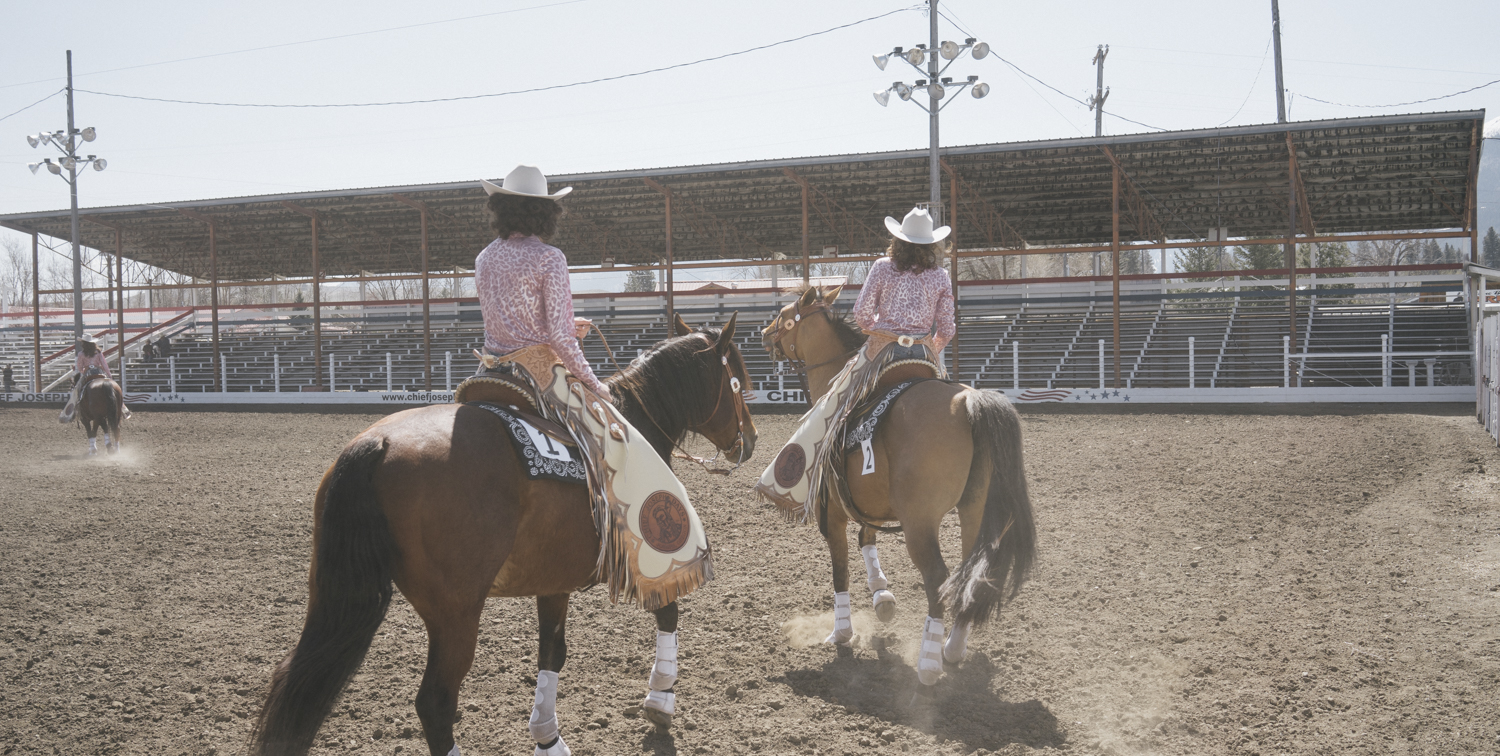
column 100, row 407
column 436, row 501
column 941, row 445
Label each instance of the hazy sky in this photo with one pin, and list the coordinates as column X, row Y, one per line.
column 1173, row 65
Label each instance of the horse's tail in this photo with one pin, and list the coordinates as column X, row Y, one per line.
column 354, row 558
column 1006, row 547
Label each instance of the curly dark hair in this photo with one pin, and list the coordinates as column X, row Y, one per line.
column 915, row 257
column 88, row 348
column 533, row 216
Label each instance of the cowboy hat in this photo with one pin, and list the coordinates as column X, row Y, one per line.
column 916, row 227
column 525, row 181
column 90, row 338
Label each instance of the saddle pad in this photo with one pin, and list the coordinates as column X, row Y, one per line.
column 545, row 458
column 865, row 419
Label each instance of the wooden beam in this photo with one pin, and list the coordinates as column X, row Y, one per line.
column 317, row 292
column 213, row 268
column 1114, row 202
column 421, row 207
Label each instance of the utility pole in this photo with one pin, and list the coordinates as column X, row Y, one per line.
column 1276, row 36
column 1096, row 103
column 72, row 167
column 935, row 96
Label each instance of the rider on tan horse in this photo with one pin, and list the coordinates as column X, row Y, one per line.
column 531, row 333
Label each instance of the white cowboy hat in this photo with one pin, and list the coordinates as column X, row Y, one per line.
column 90, row 338
column 525, row 181
column 916, row 227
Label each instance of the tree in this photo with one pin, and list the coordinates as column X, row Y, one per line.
column 640, row 280
column 1260, row 257
column 1492, row 249
column 1198, row 259
column 15, row 273
column 1136, row 262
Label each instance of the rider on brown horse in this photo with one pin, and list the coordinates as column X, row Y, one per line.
column 87, row 363
column 531, row 336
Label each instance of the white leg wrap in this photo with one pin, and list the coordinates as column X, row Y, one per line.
column 454, row 750
column 556, row 749
column 875, row 577
column 930, row 658
column 664, row 673
column 958, row 641
column 106, row 439
column 661, row 700
column 93, row 447
column 544, row 708
column 843, row 627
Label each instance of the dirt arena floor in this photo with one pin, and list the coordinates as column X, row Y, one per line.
column 1210, row 583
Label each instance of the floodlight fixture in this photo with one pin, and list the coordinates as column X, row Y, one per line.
column 32, row 140
column 916, row 55
column 883, row 97
column 949, row 49
column 881, row 60
column 53, row 167
column 979, row 90
column 99, row 163
column 902, row 91
column 70, row 162
column 936, row 91
column 88, row 134
column 980, row 50
column 34, row 166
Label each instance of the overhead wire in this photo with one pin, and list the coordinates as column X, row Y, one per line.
column 1400, row 104
column 1255, row 81
column 34, row 104
column 511, row 92
column 303, row 42
column 1023, row 72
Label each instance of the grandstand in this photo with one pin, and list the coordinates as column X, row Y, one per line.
column 1362, row 180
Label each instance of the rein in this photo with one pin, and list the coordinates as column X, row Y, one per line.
column 785, row 326
column 679, row 452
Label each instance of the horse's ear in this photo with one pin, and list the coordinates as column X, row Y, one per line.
column 808, row 297
column 726, row 336
column 679, row 326
column 832, row 295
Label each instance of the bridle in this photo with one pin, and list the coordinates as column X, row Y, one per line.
column 741, row 412
column 786, row 324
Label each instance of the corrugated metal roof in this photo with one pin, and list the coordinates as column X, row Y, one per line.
column 1381, row 173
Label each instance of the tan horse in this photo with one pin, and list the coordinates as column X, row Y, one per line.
column 436, row 501
column 940, row 446
column 100, row 407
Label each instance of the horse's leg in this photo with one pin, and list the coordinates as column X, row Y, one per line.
column 661, row 700
column 885, row 601
column 451, row 637
column 970, row 514
column 922, row 545
column 552, row 653
column 836, row 533
column 93, row 430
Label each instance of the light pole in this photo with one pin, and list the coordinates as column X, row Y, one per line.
column 67, row 143
column 937, row 87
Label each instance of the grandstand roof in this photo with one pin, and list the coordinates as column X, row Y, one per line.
column 1382, row 173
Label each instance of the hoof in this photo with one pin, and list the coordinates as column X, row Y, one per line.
column 661, row 719
column 112, row 448
column 885, row 605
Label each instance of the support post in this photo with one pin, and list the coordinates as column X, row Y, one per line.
column 276, row 372
column 36, row 319
column 172, row 373
column 1115, row 258
column 388, row 379
column 1291, row 239
column 806, row 252
column 317, row 303
column 330, row 373
column 120, row 302
column 426, row 313
column 1276, row 35
column 953, row 262
column 448, row 371
column 1286, row 362
column 1385, row 360
column 1192, row 362
column 1015, row 365
column 213, row 272
column 671, row 305
column 1101, row 363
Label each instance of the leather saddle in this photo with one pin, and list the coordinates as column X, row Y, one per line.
column 503, row 389
column 913, row 363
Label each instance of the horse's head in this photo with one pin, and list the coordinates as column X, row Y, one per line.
column 695, row 381
column 786, row 338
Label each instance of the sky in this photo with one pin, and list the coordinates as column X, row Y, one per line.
column 1171, row 65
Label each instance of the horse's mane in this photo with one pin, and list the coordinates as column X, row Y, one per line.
column 850, row 335
column 666, row 383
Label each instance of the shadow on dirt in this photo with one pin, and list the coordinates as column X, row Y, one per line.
column 961, row 707
column 659, row 742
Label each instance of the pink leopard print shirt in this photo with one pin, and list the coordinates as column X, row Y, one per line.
column 906, row 304
column 526, row 300
column 82, row 363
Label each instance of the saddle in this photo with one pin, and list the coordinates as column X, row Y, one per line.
column 500, row 387
column 89, row 376
column 908, row 363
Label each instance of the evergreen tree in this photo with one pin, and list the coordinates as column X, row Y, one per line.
column 640, row 280
column 1198, row 259
column 1491, row 249
column 1259, row 257
column 1136, row 262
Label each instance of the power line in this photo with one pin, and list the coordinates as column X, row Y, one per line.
column 1252, row 83
column 34, row 104
column 1043, row 83
column 1401, row 104
column 305, row 42
column 504, row 94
